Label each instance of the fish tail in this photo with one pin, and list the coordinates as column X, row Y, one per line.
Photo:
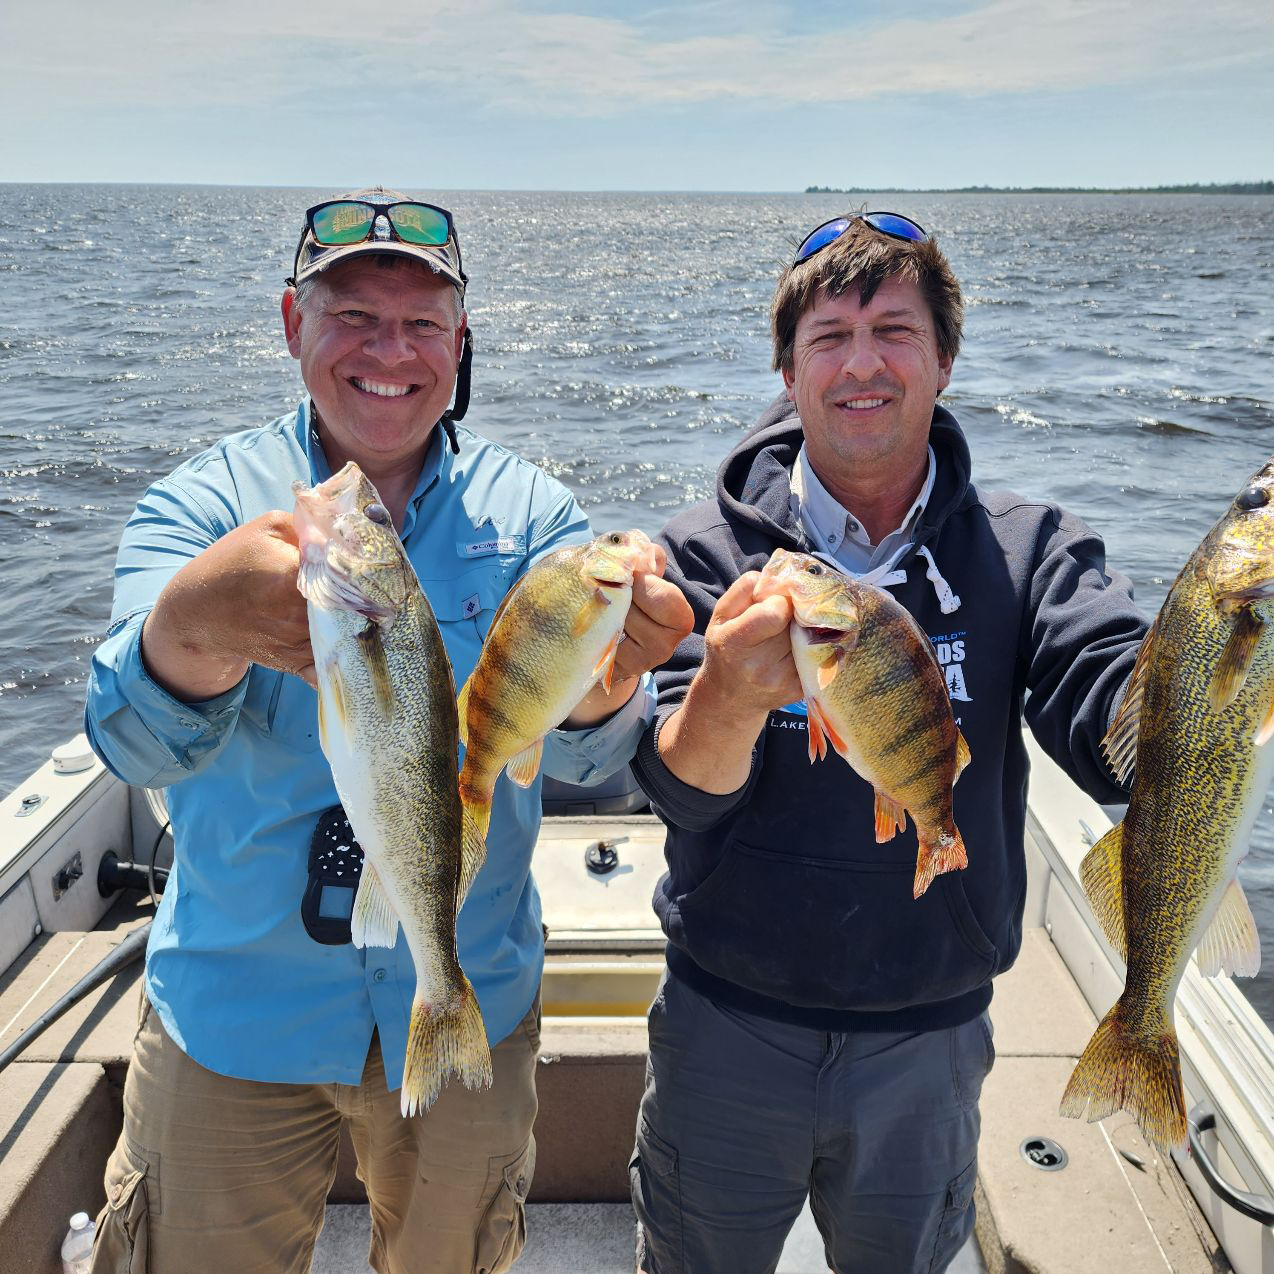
column 1139, row 1073
column 444, row 1040
column 936, row 855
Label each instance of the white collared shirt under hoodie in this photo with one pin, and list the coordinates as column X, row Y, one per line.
column 839, row 534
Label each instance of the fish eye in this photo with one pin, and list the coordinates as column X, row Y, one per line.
column 377, row 513
column 814, row 569
column 615, row 537
column 1252, row 497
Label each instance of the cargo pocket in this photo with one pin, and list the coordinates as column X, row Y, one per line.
column 502, row 1231
column 122, row 1242
column 957, row 1218
column 655, row 1179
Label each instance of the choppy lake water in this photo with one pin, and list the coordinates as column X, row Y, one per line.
column 1117, row 359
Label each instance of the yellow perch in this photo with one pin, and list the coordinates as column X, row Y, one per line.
column 553, row 638
column 1194, row 727
column 874, row 689
column 387, row 718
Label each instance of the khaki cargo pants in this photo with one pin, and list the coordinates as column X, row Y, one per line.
column 216, row 1174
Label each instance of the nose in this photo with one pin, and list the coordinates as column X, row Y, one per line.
column 862, row 358
column 388, row 344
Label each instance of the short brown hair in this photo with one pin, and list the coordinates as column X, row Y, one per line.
column 863, row 258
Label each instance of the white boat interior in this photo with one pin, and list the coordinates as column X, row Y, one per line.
column 1054, row 1196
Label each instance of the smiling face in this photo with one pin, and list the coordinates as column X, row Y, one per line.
column 379, row 339
column 865, row 379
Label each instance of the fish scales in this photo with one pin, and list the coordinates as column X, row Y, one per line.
column 1158, row 880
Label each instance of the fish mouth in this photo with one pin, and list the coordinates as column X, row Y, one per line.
column 822, row 635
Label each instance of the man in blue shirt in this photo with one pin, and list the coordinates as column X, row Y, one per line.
column 256, row 1039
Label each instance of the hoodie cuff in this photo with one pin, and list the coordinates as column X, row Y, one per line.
column 678, row 803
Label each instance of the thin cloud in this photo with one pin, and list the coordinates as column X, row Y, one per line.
column 499, row 55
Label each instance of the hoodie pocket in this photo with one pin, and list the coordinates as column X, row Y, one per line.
column 833, row 933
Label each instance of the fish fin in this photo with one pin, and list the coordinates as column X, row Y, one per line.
column 813, row 707
column 373, row 922
column 830, row 667
column 322, row 724
column 604, row 669
column 1231, row 943
column 1102, row 874
column 1120, row 743
column 587, row 614
column 523, row 768
column 1138, row 1073
column 374, row 650
column 947, row 853
column 444, row 1040
column 891, row 817
column 817, row 739
column 1231, row 670
column 462, row 710
column 473, row 847
column 1266, row 730
column 963, row 755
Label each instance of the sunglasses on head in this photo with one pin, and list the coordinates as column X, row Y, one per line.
column 894, row 224
column 340, row 222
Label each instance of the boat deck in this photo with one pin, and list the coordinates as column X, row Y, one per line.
column 1116, row 1204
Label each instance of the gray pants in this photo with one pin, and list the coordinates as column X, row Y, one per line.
column 743, row 1117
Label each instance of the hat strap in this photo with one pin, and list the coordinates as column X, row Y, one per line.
column 461, row 406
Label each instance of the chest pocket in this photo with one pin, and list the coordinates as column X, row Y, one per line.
column 464, row 606
column 281, row 706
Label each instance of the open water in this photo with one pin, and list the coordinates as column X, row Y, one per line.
column 1118, row 359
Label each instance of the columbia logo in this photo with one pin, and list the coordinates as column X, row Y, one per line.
column 470, row 606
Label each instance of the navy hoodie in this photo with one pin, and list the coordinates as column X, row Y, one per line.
column 777, row 899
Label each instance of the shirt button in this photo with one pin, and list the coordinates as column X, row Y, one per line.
column 378, row 976
column 853, row 526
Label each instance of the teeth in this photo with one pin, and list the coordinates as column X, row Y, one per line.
column 385, row 391
column 864, row 404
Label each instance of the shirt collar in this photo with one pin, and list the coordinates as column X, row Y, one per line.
column 320, row 470
column 829, row 521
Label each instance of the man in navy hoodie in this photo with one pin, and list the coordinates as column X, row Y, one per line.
column 819, row 1031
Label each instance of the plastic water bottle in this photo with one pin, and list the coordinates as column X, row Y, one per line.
column 77, row 1247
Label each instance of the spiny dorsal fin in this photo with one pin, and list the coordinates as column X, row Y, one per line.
column 1120, row 743
column 1231, row 670
column 1231, row 943
column 523, row 768
column 1102, row 873
column 373, row 923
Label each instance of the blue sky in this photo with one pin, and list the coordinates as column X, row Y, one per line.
column 563, row 94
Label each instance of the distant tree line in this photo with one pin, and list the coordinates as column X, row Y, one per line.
column 1193, row 188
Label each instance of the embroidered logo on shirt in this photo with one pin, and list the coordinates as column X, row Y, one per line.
column 471, row 606
column 493, row 544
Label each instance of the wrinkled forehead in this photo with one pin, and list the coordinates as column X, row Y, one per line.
column 895, row 297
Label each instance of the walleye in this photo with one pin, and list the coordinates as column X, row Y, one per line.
column 552, row 639
column 1194, row 725
column 874, row 688
column 387, row 721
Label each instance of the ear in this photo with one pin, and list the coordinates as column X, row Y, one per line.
column 291, row 322
column 461, row 328
column 945, row 363
column 789, row 380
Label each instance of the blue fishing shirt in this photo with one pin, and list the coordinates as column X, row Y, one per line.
column 235, row 978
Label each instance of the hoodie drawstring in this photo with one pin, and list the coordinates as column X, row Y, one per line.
column 887, row 574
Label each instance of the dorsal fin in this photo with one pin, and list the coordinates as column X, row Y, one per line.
column 1120, row 743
